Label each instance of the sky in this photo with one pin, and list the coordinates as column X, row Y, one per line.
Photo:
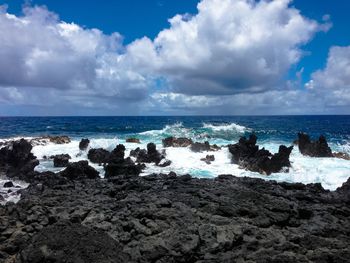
column 171, row 57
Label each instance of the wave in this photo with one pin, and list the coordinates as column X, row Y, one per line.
column 228, row 127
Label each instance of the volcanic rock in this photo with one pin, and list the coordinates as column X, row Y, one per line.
column 208, row 159
column 17, row 160
column 79, row 170
column 60, row 160
column 176, row 142
column 83, row 144
column 151, row 155
column 99, row 155
column 70, row 243
column 169, row 218
column 317, row 148
column 119, row 166
column 248, row 155
column 203, row 147
column 59, row 139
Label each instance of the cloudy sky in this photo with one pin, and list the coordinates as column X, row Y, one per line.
column 170, row 57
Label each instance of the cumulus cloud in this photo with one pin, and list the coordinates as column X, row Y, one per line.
column 232, row 46
column 333, row 82
column 37, row 50
column 222, row 56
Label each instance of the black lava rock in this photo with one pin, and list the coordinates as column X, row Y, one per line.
column 79, row 170
column 248, row 155
column 99, row 155
column 61, row 160
column 317, row 148
column 83, row 144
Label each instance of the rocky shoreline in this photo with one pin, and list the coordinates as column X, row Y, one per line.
column 75, row 216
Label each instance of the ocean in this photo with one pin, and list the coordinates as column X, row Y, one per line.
column 107, row 132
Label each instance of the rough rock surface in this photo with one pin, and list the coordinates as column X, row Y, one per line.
column 16, row 160
column 79, row 170
column 117, row 165
column 60, row 160
column 176, row 142
column 169, row 218
column 317, row 148
column 84, row 144
column 203, row 147
column 208, row 159
column 71, row 243
column 98, row 155
column 151, row 155
column 248, row 155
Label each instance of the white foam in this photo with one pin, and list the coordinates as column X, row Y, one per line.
column 330, row 172
column 226, row 127
column 13, row 196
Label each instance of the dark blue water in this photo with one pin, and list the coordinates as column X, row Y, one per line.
column 275, row 128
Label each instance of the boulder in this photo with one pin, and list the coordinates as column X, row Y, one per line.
column 16, row 160
column 133, row 140
column 151, row 155
column 208, row 159
column 248, row 155
column 318, row 148
column 176, row 142
column 60, row 160
column 98, row 155
column 204, row 147
column 59, row 139
column 83, row 144
column 79, row 170
column 119, row 166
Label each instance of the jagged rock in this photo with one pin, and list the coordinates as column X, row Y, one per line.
column 317, row 148
column 8, row 184
column 208, row 159
column 203, row 147
column 169, row 218
column 79, row 170
column 151, row 155
column 133, row 140
column 83, row 144
column 60, row 160
column 120, row 166
column 117, row 155
column 176, row 142
column 17, row 160
column 59, row 139
column 99, row 155
column 248, row 155
column 67, row 242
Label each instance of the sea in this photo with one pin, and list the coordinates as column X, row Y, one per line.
column 272, row 131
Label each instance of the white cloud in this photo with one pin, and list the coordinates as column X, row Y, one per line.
column 37, row 50
column 231, row 57
column 232, row 46
column 333, row 82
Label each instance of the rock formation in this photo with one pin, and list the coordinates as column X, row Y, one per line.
column 248, row 155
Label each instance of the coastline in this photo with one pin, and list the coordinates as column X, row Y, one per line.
column 76, row 216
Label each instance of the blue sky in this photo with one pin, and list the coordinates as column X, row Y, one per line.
column 134, row 19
